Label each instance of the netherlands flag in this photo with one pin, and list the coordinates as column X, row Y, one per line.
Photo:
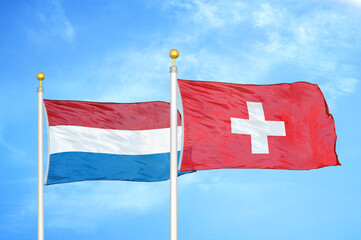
column 108, row 141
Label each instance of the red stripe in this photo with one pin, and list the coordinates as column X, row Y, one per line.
column 121, row 116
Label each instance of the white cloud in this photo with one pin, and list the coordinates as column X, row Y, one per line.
column 305, row 41
column 13, row 151
column 335, row 88
column 211, row 13
column 356, row 3
column 84, row 205
column 313, row 44
column 135, row 75
column 52, row 22
column 348, row 85
column 267, row 16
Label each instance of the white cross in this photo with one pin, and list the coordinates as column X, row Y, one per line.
column 258, row 128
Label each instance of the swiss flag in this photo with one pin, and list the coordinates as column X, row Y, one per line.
column 281, row 126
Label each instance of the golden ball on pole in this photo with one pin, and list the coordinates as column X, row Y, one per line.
column 40, row 76
column 173, row 54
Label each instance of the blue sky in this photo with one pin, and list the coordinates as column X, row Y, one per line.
column 118, row 51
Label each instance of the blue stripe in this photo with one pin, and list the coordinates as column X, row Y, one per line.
column 82, row 166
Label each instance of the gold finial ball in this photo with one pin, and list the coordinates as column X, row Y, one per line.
column 173, row 53
column 40, row 76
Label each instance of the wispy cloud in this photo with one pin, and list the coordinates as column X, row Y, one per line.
column 283, row 36
column 52, row 21
column 11, row 149
column 336, row 88
column 267, row 16
column 141, row 71
column 96, row 201
column 289, row 46
column 356, row 3
column 210, row 13
column 84, row 205
column 133, row 75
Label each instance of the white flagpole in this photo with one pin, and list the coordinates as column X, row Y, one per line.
column 173, row 148
column 40, row 76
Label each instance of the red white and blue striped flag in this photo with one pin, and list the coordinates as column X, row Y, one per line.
column 108, row 141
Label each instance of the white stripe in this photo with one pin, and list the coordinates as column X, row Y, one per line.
column 97, row 140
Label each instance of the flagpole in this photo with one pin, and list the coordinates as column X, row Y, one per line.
column 40, row 76
column 173, row 148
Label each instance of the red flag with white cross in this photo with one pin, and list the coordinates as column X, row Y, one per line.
column 281, row 126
